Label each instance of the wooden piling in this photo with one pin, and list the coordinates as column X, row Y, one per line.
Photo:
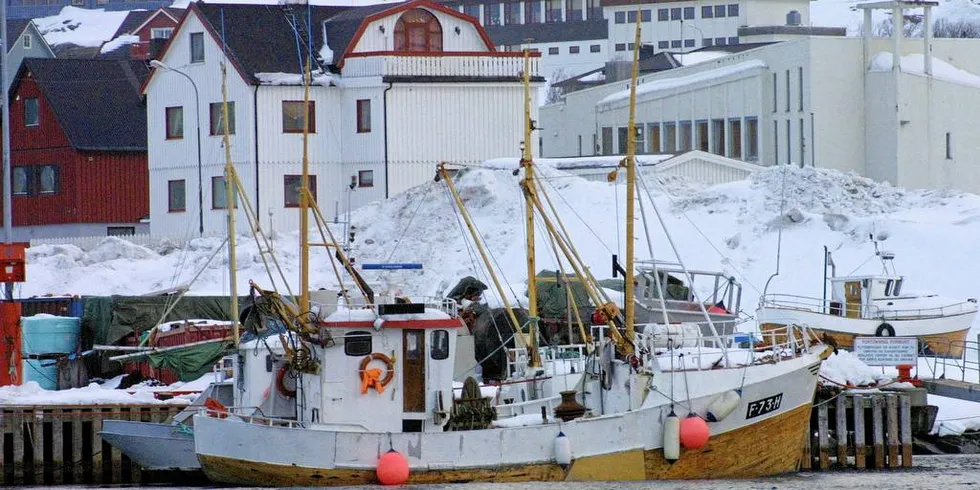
column 878, row 431
column 807, row 462
column 905, row 411
column 891, row 404
column 36, row 428
column 860, row 451
column 840, row 411
column 57, row 461
column 75, row 465
column 823, row 442
column 18, row 436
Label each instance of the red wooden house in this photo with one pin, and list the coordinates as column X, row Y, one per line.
column 78, row 148
column 153, row 28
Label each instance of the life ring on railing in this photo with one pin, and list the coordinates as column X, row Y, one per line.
column 885, row 330
column 281, row 382
column 371, row 378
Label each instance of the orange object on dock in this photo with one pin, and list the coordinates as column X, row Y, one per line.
column 11, row 370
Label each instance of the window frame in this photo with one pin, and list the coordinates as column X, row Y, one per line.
column 595, row 48
column 286, row 203
column 167, row 31
column 439, row 345
column 679, row 13
column 689, row 10
column 733, row 10
column 663, row 15
column 553, row 50
column 359, row 338
column 619, row 17
column 40, row 183
column 416, row 22
column 214, row 195
column 37, row 112
column 574, row 50
column 213, row 124
column 27, row 41
column 169, row 135
column 707, row 12
column 199, row 37
column 170, row 196
column 363, row 182
column 311, row 117
column 27, row 174
column 363, row 110
column 720, row 9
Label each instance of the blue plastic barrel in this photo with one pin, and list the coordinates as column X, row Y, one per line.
column 49, row 334
column 46, row 376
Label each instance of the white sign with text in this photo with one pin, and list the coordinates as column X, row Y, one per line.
column 887, row 351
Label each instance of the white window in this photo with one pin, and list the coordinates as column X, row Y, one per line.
column 161, row 32
column 27, row 41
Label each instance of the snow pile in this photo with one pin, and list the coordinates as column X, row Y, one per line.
column 31, row 393
column 119, row 42
column 699, row 57
column 326, row 54
column 915, row 64
column 81, row 27
column 844, row 368
column 524, row 420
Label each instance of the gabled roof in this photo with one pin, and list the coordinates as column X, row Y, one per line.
column 17, row 27
column 97, row 102
column 134, row 19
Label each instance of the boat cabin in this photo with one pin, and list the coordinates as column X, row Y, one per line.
column 857, row 296
column 390, row 369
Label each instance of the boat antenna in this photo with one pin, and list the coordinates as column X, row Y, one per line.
column 230, row 190
column 527, row 187
column 779, row 233
column 630, row 164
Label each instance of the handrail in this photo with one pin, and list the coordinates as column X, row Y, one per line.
column 968, row 362
column 817, row 305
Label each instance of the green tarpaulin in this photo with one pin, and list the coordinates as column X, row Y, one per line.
column 190, row 363
column 111, row 318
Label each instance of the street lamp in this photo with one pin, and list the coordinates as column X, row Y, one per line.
column 692, row 27
column 200, row 173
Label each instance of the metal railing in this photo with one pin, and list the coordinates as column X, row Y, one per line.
column 568, row 356
column 445, row 65
column 253, row 419
column 446, row 305
column 965, row 367
column 828, row 307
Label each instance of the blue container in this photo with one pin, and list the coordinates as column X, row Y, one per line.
column 48, row 334
column 46, row 376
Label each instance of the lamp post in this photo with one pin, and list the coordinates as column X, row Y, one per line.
column 692, row 27
column 200, row 172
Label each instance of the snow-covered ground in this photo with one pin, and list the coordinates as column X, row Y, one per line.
column 844, row 13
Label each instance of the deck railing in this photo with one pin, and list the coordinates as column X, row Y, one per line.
column 828, row 307
column 479, row 65
column 965, row 368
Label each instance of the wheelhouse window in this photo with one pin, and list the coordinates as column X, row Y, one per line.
column 357, row 343
column 32, row 113
column 439, row 347
column 175, row 123
column 218, row 116
column 197, row 47
column 897, row 290
column 176, row 196
column 292, row 116
column 417, row 30
column 291, row 186
column 364, row 115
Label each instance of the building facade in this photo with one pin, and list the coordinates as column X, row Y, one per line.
column 397, row 89
column 26, row 42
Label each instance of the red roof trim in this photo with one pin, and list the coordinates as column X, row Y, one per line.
column 410, row 5
column 499, row 54
column 441, row 323
column 146, row 22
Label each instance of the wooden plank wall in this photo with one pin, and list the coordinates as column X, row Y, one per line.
column 843, row 444
column 53, row 445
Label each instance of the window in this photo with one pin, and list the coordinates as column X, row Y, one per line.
column 675, row 43
column 21, row 181
column 532, row 12
column 898, row 287
column 701, row 135
column 688, row 43
column 719, row 11
column 512, row 13
column 733, row 10
column 640, row 143
column 686, row 136
column 775, row 93
column 27, row 41
column 707, row 12
column 607, row 141
column 594, row 9
column 646, row 15
column 48, row 179
column 417, row 30
column 663, row 44
column 675, row 14
column 707, row 42
column 357, row 344
column 573, row 10
column 472, row 10
column 735, row 138
column 175, row 123
column 620, row 46
column 120, row 231
column 688, row 13
column 775, row 142
column 653, row 131
column 949, row 146
column 631, row 46
column 218, row 118
column 733, row 41
column 595, row 48
column 789, row 149
column 161, row 32
column 439, row 347
column 197, row 47
column 663, row 15
column 292, row 116
column 176, row 196
column 787, row 90
column 751, row 138
column 35, row 179
column 364, row 115
column 553, row 50
column 670, row 137
column 219, row 195
column 552, row 11
column 631, row 16
column 802, row 144
column 365, row 178
column 620, row 17
column 799, row 77
column 573, row 49
column 290, row 189
column 32, row 112
column 491, row 14
column 623, row 137
column 719, row 41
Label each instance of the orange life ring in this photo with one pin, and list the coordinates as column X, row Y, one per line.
column 371, row 378
column 281, row 382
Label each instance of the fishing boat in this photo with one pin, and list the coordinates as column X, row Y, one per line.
column 874, row 305
column 385, row 412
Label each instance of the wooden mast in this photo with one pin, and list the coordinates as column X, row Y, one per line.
column 628, row 290
column 230, row 202
column 528, row 187
column 304, row 193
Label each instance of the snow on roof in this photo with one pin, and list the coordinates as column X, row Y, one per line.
column 598, row 76
column 685, row 80
column 694, row 58
column 510, row 163
column 30, row 393
column 915, row 64
column 844, row 13
column 119, row 42
column 82, row 27
column 293, row 79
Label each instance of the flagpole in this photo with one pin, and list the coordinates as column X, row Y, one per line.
column 7, row 211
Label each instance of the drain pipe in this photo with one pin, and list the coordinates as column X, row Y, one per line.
column 384, row 105
column 255, row 109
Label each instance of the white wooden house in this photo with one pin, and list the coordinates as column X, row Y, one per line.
column 400, row 87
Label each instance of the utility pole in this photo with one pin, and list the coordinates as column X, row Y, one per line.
column 7, row 205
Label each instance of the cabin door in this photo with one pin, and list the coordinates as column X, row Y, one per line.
column 413, row 370
column 852, row 297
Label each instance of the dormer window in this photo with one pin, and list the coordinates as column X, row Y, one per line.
column 417, row 30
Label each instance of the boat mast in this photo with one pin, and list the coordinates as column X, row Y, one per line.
column 304, row 193
column 628, row 290
column 230, row 202
column 528, row 188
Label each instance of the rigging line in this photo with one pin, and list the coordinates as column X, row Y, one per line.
column 779, row 232
column 408, row 227
column 861, row 265
column 619, row 243
column 582, row 220
column 493, row 258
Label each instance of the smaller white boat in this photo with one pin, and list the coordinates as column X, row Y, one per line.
column 874, row 305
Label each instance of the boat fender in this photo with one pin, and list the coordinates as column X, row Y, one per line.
column 371, row 378
column 281, row 382
column 723, row 405
column 672, row 438
column 563, row 450
column 885, row 330
column 694, row 432
column 392, row 468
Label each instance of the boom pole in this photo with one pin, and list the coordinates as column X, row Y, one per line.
column 230, row 204
column 527, row 185
column 304, row 184
column 628, row 290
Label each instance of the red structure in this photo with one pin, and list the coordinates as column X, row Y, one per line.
column 11, row 370
column 153, row 28
column 78, row 145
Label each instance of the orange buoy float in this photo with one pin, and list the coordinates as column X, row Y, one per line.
column 392, row 468
column 694, row 432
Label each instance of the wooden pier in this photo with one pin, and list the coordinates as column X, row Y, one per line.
column 51, row 445
column 875, row 435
